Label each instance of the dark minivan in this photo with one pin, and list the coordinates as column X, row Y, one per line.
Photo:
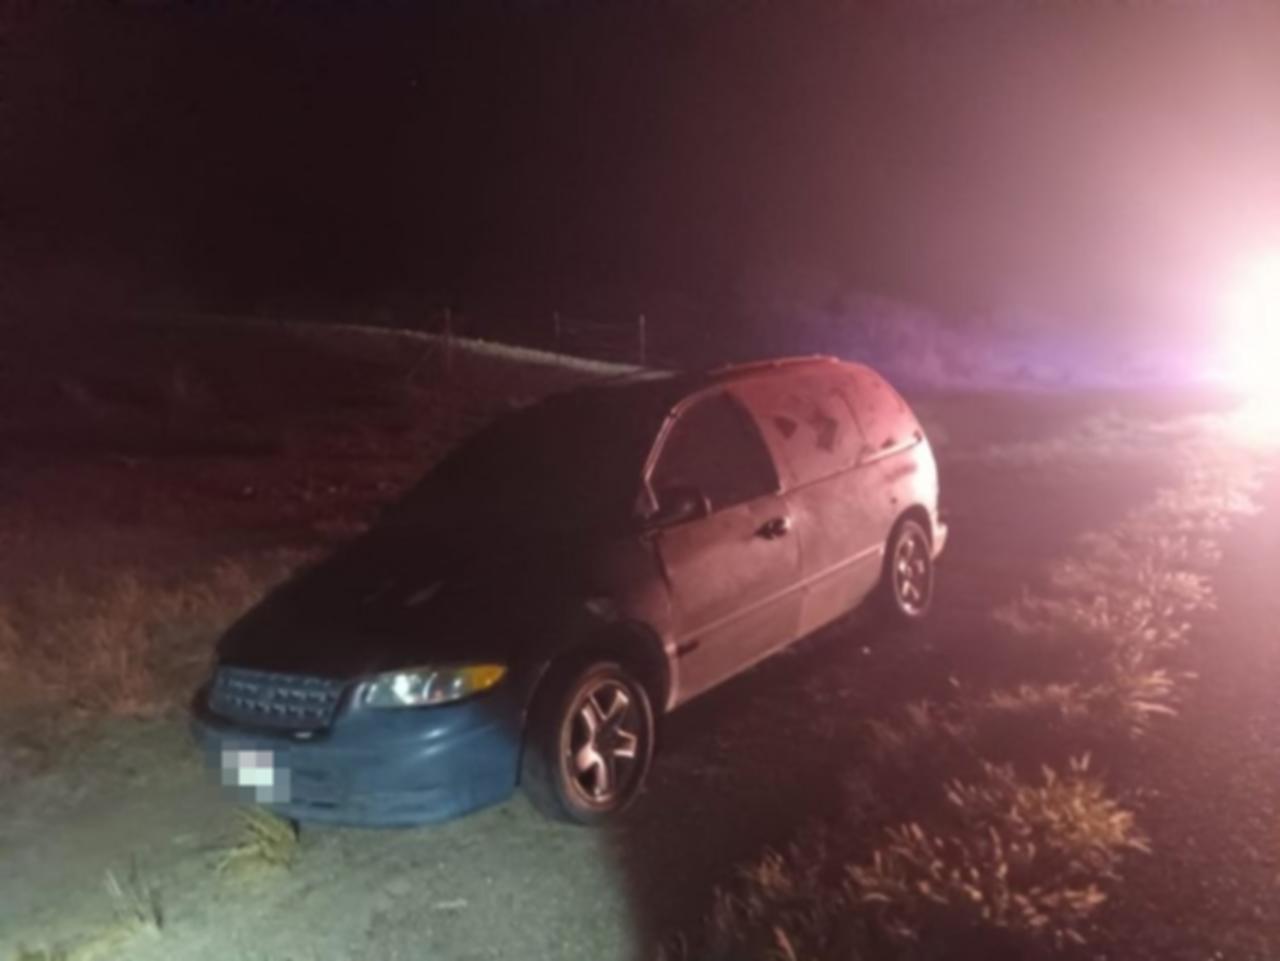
column 567, row 573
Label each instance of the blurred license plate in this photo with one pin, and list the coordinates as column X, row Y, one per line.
column 261, row 774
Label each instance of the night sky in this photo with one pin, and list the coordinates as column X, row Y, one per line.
column 1089, row 163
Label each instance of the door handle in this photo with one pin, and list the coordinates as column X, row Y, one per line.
column 774, row 527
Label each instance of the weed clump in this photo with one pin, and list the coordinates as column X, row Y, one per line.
column 1009, row 862
column 263, row 840
column 135, row 901
column 1023, row 859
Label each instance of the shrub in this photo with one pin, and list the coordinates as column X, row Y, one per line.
column 1010, row 862
column 1129, row 696
column 1118, row 619
column 263, row 840
column 1016, row 858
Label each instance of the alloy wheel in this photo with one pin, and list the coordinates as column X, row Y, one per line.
column 603, row 742
column 912, row 572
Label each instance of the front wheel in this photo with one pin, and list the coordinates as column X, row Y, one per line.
column 906, row 587
column 589, row 743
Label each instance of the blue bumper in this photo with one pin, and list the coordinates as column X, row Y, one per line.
column 383, row 768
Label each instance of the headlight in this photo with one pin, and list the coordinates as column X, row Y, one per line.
column 421, row 686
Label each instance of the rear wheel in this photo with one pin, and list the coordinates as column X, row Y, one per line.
column 589, row 742
column 906, row 587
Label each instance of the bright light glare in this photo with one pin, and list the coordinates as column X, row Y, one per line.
column 1252, row 350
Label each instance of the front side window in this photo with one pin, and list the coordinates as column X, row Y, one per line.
column 715, row 447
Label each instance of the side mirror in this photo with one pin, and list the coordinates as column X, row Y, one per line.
column 678, row 504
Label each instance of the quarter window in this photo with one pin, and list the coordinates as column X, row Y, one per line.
column 715, row 447
column 808, row 422
column 886, row 419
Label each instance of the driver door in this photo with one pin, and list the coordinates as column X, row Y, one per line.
column 733, row 575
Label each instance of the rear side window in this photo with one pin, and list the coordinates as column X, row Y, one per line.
column 886, row 419
column 808, row 421
column 715, row 447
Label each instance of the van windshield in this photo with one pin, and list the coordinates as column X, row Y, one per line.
column 572, row 462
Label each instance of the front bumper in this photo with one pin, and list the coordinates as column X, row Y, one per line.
column 381, row 768
column 941, row 531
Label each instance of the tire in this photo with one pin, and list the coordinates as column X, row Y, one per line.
column 588, row 743
column 907, row 584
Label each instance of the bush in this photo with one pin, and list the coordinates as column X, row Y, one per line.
column 1010, row 862
column 1018, row 858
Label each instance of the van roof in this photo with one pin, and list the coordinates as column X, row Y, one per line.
column 649, row 389
column 734, row 371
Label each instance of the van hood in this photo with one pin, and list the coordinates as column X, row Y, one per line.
column 398, row 597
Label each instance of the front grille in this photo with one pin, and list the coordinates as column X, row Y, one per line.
column 268, row 699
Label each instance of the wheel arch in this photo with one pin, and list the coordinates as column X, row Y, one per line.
column 635, row 645
column 918, row 513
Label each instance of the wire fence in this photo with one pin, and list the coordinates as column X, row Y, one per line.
column 672, row 342
column 618, row 342
column 634, row 340
column 910, row 346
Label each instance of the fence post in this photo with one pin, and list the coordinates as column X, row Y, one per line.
column 644, row 347
column 448, row 340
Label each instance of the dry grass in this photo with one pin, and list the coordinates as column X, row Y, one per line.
column 39, row 954
column 1125, row 601
column 121, row 644
column 135, row 901
column 1006, row 861
column 136, row 910
column 117, row 645
column 263, row 841
column 785, row 906
column 930, row 739
column 920, row 737
column 1017, row 857
column 1127, row 701
column 1121, row 618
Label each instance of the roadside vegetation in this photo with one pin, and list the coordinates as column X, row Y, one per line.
column 162, row 482
column 263, row 842
column 121, row 644
column 135, row 910
column 983, row 823
column 165, row 479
